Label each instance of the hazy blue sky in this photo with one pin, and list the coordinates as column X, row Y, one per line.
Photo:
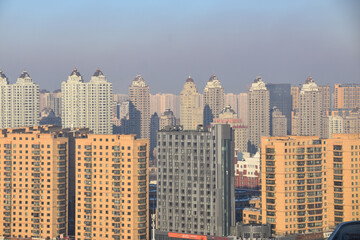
column 165, row 41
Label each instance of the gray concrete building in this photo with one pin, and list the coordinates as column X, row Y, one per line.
column 196, row 181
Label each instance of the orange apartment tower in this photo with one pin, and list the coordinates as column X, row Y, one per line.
column 309, row 184
column 343, row 181
column 347, row 96
column 33, row 184
column 293, row 184
column 112, row 187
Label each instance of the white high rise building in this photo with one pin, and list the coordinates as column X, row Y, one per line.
column 87, row 104
column 309, row 114
column 190, row 109
column 214, row 99
column 139, row 108
column 258, row 113
column 19, row 102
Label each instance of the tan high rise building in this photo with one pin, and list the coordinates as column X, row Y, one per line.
column 325, row 99
column 87, row 104
column 214, row 99
column 295, row 93
column 231, row 99
column 352, row 121
column 139, row 108
column 331, row 125
column 112, row 187
column 310, row 110
column 343, row 178
column 239, row 103
column 167, row 119
column 243, row 108
column 259, row 113
column 293, row 184
column 160, row 102
column 191, row 114
column 279, row 123
column 51, row 101
column 229, row 116
column 33, row 184
column 19, row 102
column 310, row 184
column 347, row 96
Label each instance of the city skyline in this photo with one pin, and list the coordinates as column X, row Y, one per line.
column 282, row 42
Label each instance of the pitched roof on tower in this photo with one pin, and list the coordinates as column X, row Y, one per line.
column 24, row 74
column 98, row 73
column 75, row 72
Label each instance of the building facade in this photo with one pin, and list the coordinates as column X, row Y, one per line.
column 51, row 101
column 228, row 116
column 343, row 178
column 112, row 187
column 309, row 114
column 87, row 104
column 167, row 119
column 160, row 102
column 196, row 181
column 19, row 102
column 293, row 188
column 247, row 171
column 310, row 184
column 280, row 97
column 259, row 113
column 347, row 96
column 34, row 183
column 352, row 121
column 278, row 123
column 139, row 108
column 214, row 99
column 191, row 114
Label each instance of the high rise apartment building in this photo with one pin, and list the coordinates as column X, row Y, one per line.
column 195, row 181
column 309, row 113
column 33, row 184
column 325, row 99
column 295, row 96
column 228, row 116
column 278, row 123
column 293, row 184
column 19, row 102
column 191, row 114
column 167, row 119
column 51, row 101
column 139, row 108
column 352, row 121
column 343, row 178
column 259, row 113
column 347, row 96
column 160, row 102
column 214, row 99
column 112, row 187
column 87, row 104
column 331, row 125
column 310, row 184
column 280, row 97
column 239, row 103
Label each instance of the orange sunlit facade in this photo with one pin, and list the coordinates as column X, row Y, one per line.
column 33, row 184
column 347, row 96
column 112, row 187
column 310, row 184
column 293, row 184
column 343, row 182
